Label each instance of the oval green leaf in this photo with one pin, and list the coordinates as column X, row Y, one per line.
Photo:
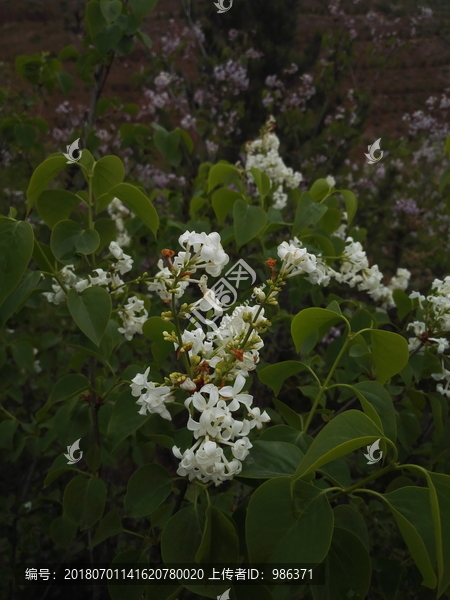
column 69, row 239
column 390, row 353
column 299, row 528
column 249, row 221
column 91, row 310
column 138, row 203
column 16, row 249
column 147, row 489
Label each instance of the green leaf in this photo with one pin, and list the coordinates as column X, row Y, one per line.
column 284, row 433
column 16, row 249
column 220, row 173
column 22, row 352
column 319, row 190
column 347, row 517
column 142, row 8
column 106, row 229
column 195, row 205
column 308, row 212
column 348, row 568
column 65, row 82
column 68, row 386
column 220, row 543
column 56, row 205
column 111, row 9
column 411, row 509
column 249, row 221
column 275, row 375
column 309, row 320
column 125, row 419
column 42, row 176
column 136, row 559
column 183, row 535
column 441, row 484
column 138, row 203
column 108, row 173
column 351, row 205
column 62, row 531
column 168, row 144
column 84, row 500
column 403, row 303
column 106, row 40
column 25, row 134
column 390, row 353
column 7, row 431
column 147, row 489
column 91, row 310
column 223, row 201
column 447, row 144
column 153, row 329
column 94, row 19
column 382, row 402
column 69, row 239
column 299, row 528
column 271, row 459
column 262, row 182
column 110, row 525
column 343, row 434
column 289, row 415
column 143, row 37
column 16, row 299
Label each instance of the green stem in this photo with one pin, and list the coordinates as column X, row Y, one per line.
column 90, row 206
column 358, row 485
column 54, row 274
column 8, row 413
column 187, row 363
column 136, row 534
column 323, row 388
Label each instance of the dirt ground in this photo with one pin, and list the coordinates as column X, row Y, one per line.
column 422, row 68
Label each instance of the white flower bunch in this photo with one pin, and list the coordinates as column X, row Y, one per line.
column 445, row 391
column 436, row 315
column 132, row 323
column 152, row 398
column 70, row 280
column 353, row 269
column 263, row 154
column 216, row 427
column 110, row 279
column 200, row 251
column 118, row 211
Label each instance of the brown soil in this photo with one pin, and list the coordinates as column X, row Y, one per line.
column 422, row 68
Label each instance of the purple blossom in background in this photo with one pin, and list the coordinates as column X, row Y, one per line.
column 235, row 73
column 409, row 207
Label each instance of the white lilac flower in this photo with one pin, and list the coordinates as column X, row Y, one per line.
column 234, row 392
column 296, row 260
column 152, row 398
column 445, row 391
column 263, row 154
column 124, row 261
column 117, row 211
column 132, row 323
column 215, row 427
column 331, row 181
column 207, row 249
